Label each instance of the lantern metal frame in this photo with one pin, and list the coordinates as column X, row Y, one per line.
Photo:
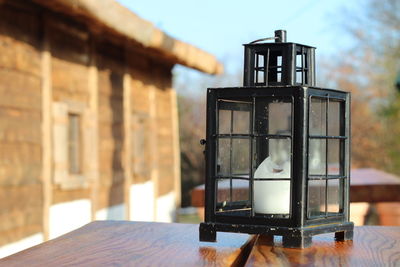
column 297, row 230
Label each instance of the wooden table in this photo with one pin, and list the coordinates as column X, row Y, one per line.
column 372, row 246
column 117, row 243
column 366, row 185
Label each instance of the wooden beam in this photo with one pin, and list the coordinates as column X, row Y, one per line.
column 94, row 111
column 175, row 147
column 46, row 129
column 127, row 158
column 153, row 133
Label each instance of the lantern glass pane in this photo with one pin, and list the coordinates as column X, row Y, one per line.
column 277, row 160
column 241, row 122
column 299, row 77
column 240, row 157
column 274, row 67
column 223, row 162
column 273, row 116
column 223, row 192
column 317, row 157
column 334, row 157
column 279, row 60
column 279, row 117
column 334, row 118
column 224, row 121
column 318, row 116
column 299, row 67
column 271, row 193
column 334, row 197
column 260, row 77
column 239, row 191
column 259, row 71
column 316, row 198
column 299, row 62
column 272, row 196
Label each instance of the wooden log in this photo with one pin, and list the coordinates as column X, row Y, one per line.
column 154, row 155
column 176, row 146
column 127, row 150
column 47, row 140
column 93, row 152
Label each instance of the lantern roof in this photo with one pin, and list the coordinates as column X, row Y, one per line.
column 279, row 38
column 277, row 44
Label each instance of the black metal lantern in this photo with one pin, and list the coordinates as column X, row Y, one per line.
column 278, row 150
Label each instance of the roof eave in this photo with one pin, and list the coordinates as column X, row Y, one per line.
column 112, row 15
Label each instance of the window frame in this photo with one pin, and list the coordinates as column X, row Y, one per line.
column 62, row 176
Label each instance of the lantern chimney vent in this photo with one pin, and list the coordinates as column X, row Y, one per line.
column 280, row 36
column 278, row 63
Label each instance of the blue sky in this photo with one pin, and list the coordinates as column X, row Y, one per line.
column 221, row 26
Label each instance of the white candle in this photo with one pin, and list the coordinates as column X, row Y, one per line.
column 272, row 197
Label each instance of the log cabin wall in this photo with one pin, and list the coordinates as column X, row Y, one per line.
column 153, row 147
column 110, row 62
column 69, row 48
column 88, row 127
column 21, row 201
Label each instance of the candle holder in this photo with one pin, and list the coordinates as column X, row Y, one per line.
column 283, row 139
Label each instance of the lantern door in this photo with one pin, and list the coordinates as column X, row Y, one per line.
column 233, row 156
column 328, row 152
column 253, row 156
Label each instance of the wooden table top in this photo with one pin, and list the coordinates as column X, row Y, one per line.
column 117, row 243
column 121, row 243
column 366, row 185
column 372, row 246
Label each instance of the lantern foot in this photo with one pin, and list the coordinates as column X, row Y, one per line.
column 344, row 235
column 296, row 241
column 207, row 233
